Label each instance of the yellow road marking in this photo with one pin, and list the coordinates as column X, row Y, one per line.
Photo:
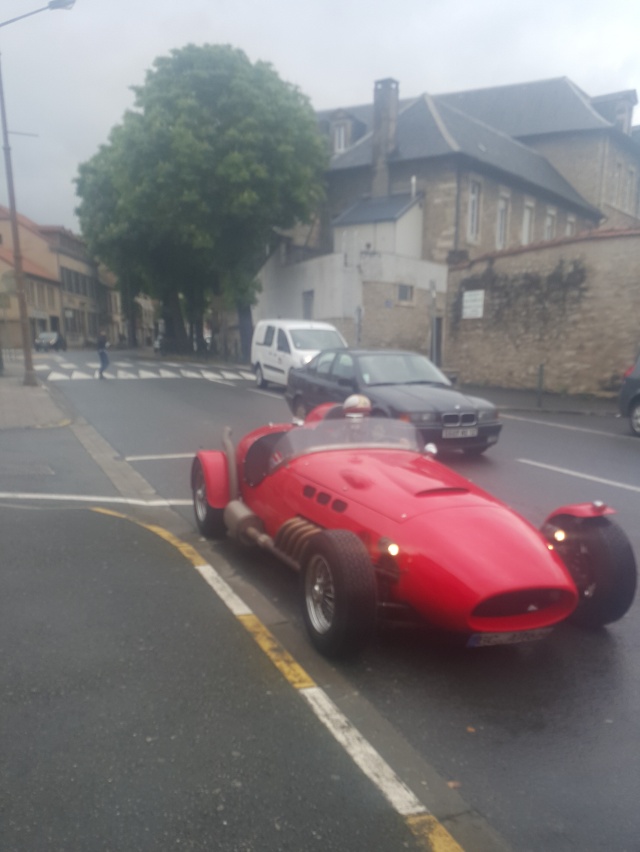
column 431, row 834
column 281, row 659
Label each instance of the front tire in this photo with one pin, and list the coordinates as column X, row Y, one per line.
column 338, row 594
column 634, row 417
column 209, row 521
column 260, row 380
column 600, row 559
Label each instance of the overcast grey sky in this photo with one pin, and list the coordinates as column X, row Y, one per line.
column 67, row 74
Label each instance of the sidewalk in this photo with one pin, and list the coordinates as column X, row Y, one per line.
column 23, row 407
column 549, row 403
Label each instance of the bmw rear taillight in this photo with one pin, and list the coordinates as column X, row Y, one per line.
column 628, row 371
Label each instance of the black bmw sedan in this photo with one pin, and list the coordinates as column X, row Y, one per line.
column 399, row 384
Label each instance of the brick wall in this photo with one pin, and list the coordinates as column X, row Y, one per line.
column 572, row 306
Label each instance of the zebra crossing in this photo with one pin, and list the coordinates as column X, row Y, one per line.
column 58, row 368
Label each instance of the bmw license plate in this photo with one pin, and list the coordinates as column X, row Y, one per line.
column 460, row 432
column 482, row 640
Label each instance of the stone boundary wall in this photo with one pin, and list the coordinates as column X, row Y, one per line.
column 571, row 306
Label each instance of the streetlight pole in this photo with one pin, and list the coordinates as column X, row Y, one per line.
column 29, row 373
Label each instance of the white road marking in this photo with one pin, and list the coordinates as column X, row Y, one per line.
column 88, row 498
column 227, row 375
column 250, row 376
column 123, row 374
column 147, row 374
column 41, row 367
column 160, row 457
column 359, row 749
column 78, row 374
column 579, row 475
column 270, row 394
column 562, row 426
column 190, row 374
column 223, row 590
column 67, row 366
column 363, row 753
column 213, row 377
column 166, row 374
column 57, row 377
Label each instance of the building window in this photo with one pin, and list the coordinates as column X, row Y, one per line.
column 339, row 137
column 405, row 293
column 550, row 224
column 502, row 223
column 617, row 185
column 570, row 228
column 473, row 220
column 631, row 190
column 527, row 223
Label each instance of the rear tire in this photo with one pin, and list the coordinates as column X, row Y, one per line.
column 260, row 380
column 209, row 521
column 338, row 594
column 600, row 559
column 299, row 409
column 634, row 417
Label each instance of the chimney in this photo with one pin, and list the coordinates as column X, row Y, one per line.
column 385, row 123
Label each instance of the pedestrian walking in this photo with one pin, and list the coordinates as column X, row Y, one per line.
column 103, row 354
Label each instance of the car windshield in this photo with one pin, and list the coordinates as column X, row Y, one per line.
column 347, row 433
column 400, row 368
column 316, row 338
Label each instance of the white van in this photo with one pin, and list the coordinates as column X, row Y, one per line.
column 278, row 345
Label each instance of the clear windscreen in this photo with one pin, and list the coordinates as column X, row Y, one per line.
column 347, row 433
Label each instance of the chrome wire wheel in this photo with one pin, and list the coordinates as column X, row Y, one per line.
column 634, row 418
column 320, row 594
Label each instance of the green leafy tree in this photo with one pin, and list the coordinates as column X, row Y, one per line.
column 184, row 196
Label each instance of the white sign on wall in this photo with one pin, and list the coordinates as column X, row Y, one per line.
column 473, row 304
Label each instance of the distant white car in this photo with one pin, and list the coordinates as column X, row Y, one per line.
column 282, row 344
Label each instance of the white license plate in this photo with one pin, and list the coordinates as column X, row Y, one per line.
column 482, row 640
column 462, row 432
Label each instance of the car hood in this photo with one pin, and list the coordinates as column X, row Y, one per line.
column 424, row 397
column 397, row 484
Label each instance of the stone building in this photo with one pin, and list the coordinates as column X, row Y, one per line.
column 522, row 186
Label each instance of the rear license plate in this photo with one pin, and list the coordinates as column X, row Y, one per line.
column 482, row 640
column 462, row 432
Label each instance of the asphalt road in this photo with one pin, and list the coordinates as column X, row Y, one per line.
column 541, row 740
column 137, row 715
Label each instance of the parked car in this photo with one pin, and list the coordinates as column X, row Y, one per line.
column 629, row 397
column 280, row 345
column 400, row 384
column 47, row 340
column 378, row 529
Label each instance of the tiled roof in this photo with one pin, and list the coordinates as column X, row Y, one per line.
column 431, row 127
column 530, row 109
column 29, row 268
column 368, row 210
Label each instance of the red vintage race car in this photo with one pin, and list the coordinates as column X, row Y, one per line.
column 377, row 528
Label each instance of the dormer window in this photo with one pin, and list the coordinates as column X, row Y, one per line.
column 339, row 136
column 622, row 120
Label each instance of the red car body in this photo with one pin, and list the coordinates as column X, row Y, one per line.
column 437, row 545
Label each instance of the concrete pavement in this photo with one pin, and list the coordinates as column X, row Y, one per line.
column 25, row 407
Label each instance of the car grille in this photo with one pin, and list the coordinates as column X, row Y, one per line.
column 457, row 418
